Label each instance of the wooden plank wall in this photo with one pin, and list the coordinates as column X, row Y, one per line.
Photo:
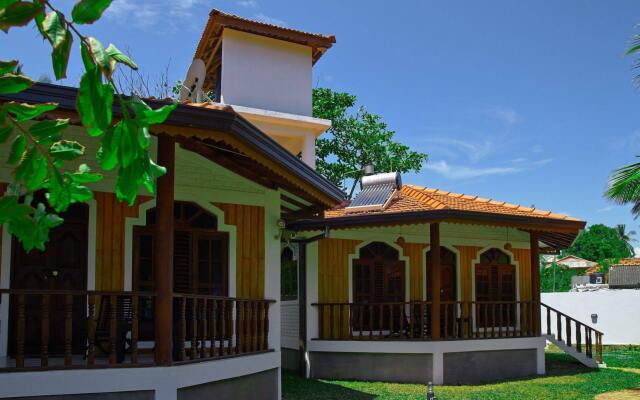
column 467, row 255
column 523, row 257
column 249, row 223
column 3, row 187
column 415, row 252
column 333, row 269
column 110, row 219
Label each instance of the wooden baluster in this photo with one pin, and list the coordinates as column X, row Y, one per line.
column 20, row 332
column 266, row 327
column 203, row 329
column 351, row 321
column 400, row 319
column 113, row 329
column 380, row 319
column 223, row 331
column 579, row 337
column 256, row 322
column 589, row 343
column 249, row 331
column 509, row 324
column 240, row 312
column 500, row 333
column 68, row 330
column 360, row 320
column 321, row 320
column 182, row 329
column 548, row 321
column 486, row 320
column 599, row 348
column 134, row 329
column 263, row 307
column 422, row 330
column 213, row 325
column 340, row 321
column 370, row 320
column 568, row 333
column 559, row 326
column 230, row 333
column 446, row 319
column 493, row 320
column 91, row 331
column 332, row 322
column 194, row 329
column 44, row 332
column 412, row 310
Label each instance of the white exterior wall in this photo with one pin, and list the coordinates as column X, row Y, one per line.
column 198, row 180
column 617, row 313
column 266, row 73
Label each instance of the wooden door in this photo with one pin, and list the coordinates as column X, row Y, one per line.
column 61, row 266
column 448, row 276
column 495, row 283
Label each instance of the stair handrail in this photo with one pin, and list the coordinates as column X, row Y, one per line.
column 589, row 331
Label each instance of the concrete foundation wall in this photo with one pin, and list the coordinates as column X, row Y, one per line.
column 137, row 395
column 488, row 366
column 290, row 359
column 260, row 386
column 410, row 368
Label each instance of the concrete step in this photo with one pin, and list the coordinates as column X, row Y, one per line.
column 581, row 357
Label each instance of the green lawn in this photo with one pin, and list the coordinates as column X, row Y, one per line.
column 565, row 379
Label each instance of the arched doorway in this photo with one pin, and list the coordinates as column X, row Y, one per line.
column 61, row 266
column 495, row 286
column 378, row 277
column 200, row 258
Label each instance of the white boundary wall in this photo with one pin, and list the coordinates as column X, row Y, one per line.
column 617, row 312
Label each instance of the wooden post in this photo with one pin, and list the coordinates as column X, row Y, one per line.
column 163, row 262
column 302, row 310
column 435, row 280
column 535, row 283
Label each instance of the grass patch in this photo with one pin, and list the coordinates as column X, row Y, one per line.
column 565, row 379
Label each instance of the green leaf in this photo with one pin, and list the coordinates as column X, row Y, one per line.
column 84, row 175
column 89, row 11
column 25, row 112
column 7, row 3
column 18, row 148
column 60, row 56
column 47, row 132
column 101, row 57
column 7, row 67
column 11, row 83
column 109, row 147
column 18, row 14
column 59, row 194
column 88, row 62
column 54, row 28
column 32, row 170
column 66, row 150
column 5, row 132
column 94, row 102
column 632, row 50
column 118, row 56
column 157, row 116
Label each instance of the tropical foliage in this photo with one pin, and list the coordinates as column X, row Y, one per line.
column 624, row 183
column 556, row 278
column 600, row 243
column 41, row 158
column 356, row 139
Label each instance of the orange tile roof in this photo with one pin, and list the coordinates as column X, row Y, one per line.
column 219, row 19
column 413, row 198
column 629, row 261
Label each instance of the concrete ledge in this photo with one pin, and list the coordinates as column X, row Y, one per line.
column 488, row 366
column 259, row 386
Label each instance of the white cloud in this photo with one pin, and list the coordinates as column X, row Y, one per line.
column 605, row 209
column 159, row 15
column 474, row 150
column 465, row 172
column 248, row 3
column 536, row 148
column 506, row 115
column 269, row 20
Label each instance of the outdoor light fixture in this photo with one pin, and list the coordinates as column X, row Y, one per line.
column 594, row 318
column 430, row 394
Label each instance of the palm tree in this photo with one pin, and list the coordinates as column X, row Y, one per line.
column 627, row 237
column 624, row 183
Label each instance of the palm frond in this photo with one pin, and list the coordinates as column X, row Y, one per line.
column 624, row 184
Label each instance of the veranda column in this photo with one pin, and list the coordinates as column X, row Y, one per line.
column 535, row 281
column 434, row 229
column 163, row 250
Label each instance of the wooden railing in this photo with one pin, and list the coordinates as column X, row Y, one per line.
column 412, row 320
column 574, row 333
column 58, row 329
column 73, row 328
column 214, row 327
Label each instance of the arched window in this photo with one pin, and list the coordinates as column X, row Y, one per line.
column 378, row 274
column 495, row 277
column 288, row 275
column 448, row 278
column 200, row 253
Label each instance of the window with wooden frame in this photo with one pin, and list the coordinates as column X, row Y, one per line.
column 288, row 275
column 201, row 253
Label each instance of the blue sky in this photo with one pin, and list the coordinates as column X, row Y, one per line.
column 530, row 102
